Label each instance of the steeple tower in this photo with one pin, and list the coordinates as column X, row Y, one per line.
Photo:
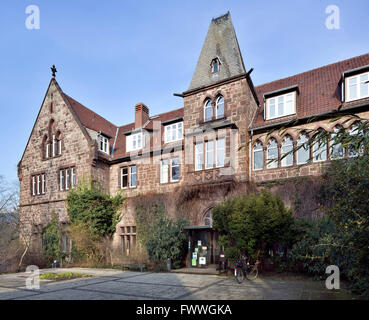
column 220, row 56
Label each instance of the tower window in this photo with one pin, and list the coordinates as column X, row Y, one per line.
column 215, row 64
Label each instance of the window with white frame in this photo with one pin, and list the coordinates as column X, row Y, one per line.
column 287, row 152
column 170, row 168
column 173, row 132
column 104, row 144
column 303, row 153
column 134, row 142
column 38, row 184
column 220, row 152
column 220, row 107
column 209, row 154
column 336, row 148
column 320, row 149
column 128, row 177
column 133, row 176
column 175, row 169
column 199, row 156
column 67, row 178
column 357, row 87
column 272, row 154
column 208, row 110
column 164, row 171
column 280, row 106
column 258, row 156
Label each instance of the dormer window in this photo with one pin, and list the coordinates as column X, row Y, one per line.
column 215, row 64
column 104, row 144
column 280, row 106
column 357, row 87
column 134, row 142
column 173, row 132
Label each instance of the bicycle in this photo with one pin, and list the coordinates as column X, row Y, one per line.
column 243, row 269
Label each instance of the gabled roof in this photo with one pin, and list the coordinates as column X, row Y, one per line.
column 220, row 42
column 91, row 120
column 120, row 145
column 319, row 90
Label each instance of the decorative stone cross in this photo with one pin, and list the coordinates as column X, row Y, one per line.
column 53, row 70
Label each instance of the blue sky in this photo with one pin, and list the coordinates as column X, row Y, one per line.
column 112, row 54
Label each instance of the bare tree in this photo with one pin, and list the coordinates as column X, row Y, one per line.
column 10, row 246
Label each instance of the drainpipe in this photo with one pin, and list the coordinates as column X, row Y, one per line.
column 250, row 162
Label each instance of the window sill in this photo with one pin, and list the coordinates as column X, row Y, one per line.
column 281, row 117
column 50, row 158
column 213, row 120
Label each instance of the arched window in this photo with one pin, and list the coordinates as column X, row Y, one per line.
column 215, row 64
column 303, row 153
column 258, row 156
column 337, row 150
column 287, row 151
column 208, row 110
column 354, row 149
column 45, row 147
column 320, row 147
column 208, row 218
column 220, row 107
column 272, row 154
column 52, row 145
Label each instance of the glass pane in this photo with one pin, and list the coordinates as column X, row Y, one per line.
column 125, row 181
column 353, row 88
column 272, row 152
column 220, row 152
column 164, row 171
column 174, row 132
column 320, row 151
column 281, row 106
column 220, row 107
column 133, row 179
column 179, row 136
column 209, row 154
column 175, row 173
column 169, row 135
column 287, row 148
column 199, row 156
column 208, row 114
column 271, row 113
column 303, row 154
column 258, row 160
column 364, row 86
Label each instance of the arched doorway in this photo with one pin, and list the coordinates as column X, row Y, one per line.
column 203, row 248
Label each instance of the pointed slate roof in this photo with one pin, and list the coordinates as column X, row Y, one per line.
column 220, row 42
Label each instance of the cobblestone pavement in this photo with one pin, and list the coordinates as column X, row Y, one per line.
column 117, row 285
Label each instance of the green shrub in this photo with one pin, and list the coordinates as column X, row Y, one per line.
column 93, row 208
column 166, row 240
column 253, row 223
column 51, row 241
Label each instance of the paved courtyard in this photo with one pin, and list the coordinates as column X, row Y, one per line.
column 123, row 285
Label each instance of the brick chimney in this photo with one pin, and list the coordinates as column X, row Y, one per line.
column 141, row 115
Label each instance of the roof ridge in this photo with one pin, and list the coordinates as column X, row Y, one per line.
column 160, row 114
column 314, row 69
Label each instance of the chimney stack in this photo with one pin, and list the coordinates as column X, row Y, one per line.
column 141, row 115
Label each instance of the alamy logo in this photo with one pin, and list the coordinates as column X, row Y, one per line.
column 333, row 20
column 333, row 281
column 33, row 280
column 33, row 20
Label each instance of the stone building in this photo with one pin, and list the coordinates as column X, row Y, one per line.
column 215, row 146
